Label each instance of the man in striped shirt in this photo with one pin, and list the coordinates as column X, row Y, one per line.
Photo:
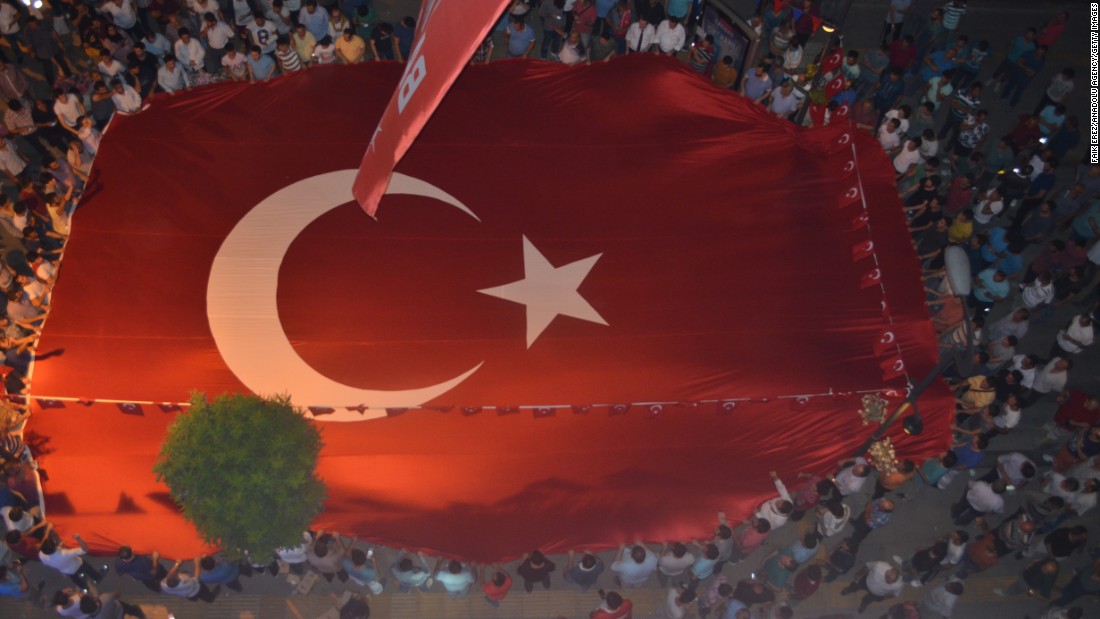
column 289, row 62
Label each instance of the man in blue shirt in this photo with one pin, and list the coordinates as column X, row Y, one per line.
column 12, row 581
column 990, row 286
column 1022, row 72
column 143, row 568
column 260, row 66
column 1017, row 48
column 519, row 38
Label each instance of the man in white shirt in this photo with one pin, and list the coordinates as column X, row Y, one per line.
column 123, row 14
column 1074, row 338
column 1053, row 376
column 670, row 36
column 126, row 99
column 634, row 570
column 640, row 36
column 12, row 162
column 832, row 517
column 889, row 136
column 171, row 77
column 673, row 562
column 942, row 599
column 1025, row 365
column 9, row 28
column 217, row 34
column 1014, row 467
column 69, row 561
column 909, row 157
column 852, row 475
column 263, row 32
column 67, row 107
column 777, row 511
column 989, row 206
column 784, row 101
column 879, row 579
column 189, row 52
column 980, row 498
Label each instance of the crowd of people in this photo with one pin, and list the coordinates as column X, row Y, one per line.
column 924, row 93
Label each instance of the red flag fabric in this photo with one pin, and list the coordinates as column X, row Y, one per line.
column 831, row 61
column 581, row 409
column 47, row 403
column 727, row 407
column 800, row 403
column 443, row 301
column 447, row 34
column 169, row 407
column 841, row 113
column 470, row 410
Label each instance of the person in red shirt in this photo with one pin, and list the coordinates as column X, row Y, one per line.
column 902, row 53
column 1053, row 30
column 28, row 544
column 1025, row 135
column 496, row 587
column 1080, row 410
column 614, row 606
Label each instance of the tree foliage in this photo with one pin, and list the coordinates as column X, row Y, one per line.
column 243, row 469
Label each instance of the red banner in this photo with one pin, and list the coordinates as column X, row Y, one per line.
column 446, row 37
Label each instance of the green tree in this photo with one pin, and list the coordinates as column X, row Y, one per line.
column 243, row 469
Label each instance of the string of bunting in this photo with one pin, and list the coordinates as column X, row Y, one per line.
column 723, row 406
column 886, row 347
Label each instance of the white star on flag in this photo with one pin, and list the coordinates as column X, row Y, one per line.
column 548, row 291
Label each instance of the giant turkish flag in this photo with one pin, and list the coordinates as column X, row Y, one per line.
column 623, row 233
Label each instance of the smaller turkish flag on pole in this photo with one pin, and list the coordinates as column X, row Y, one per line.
column 834, row 59
column 863, row 250
column 887, row 341
column 617, row 409
column 871, row 278
column 851, row 195
column 47, row 403
column 892, row 368
column 129, row 408
column 800, row 403
column 834, row 86
column 841, row 113
column 543, row 412
column 860, row 221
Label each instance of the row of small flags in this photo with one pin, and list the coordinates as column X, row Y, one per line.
column 886, row 347
column 650, row 409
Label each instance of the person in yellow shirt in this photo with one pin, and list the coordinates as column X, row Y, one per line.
column 350, row 47
column 725, row 75
column 303, row 43
column 961, row 229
